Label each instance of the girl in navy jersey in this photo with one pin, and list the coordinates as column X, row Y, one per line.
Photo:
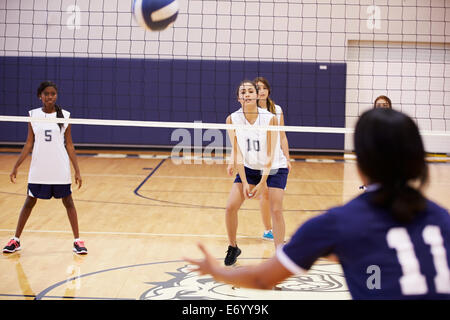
column 259, row 163
column 49, row 175
column 391, row 241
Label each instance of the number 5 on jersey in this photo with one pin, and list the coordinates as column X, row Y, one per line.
column 48, row 135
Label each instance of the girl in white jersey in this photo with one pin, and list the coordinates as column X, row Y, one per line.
column 259, row 163
column 265, row 102
column 49, row 174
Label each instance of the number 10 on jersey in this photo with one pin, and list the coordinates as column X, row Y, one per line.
column 252, row 145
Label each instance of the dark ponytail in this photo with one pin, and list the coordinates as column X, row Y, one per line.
column 390, row 152
column 271, row 106
column 404, row 202
column 59, row 114
column 42, row 86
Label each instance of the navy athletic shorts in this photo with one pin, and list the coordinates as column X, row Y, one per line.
column 46, row 191
column 277, row 177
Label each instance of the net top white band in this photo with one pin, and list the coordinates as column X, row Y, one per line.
column 196, row 125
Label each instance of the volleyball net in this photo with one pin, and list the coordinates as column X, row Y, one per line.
column 326, row 62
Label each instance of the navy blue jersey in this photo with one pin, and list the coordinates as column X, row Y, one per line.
column 381, row 258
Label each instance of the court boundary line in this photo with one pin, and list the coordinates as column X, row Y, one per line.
column 143, row 234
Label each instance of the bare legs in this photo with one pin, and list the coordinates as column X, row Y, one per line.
column 276, row 209
column 274, row 202
column 29, row 205
column 264, row 206
column 72, row 214
column 25, row 214
column 235, row 200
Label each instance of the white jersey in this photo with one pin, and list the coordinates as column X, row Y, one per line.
column 282, row 159
column 50, row 160
column 253, row 143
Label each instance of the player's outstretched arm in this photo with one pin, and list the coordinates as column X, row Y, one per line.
column 262, row 276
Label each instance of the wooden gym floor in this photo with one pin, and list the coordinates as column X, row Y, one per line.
column 139, row 214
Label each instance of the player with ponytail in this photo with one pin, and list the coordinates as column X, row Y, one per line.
column 49, row 175
column 392, row 242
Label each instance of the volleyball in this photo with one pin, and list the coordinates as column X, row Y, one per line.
column 155, row 15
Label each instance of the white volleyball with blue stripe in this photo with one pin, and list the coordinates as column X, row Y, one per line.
column 155, row 15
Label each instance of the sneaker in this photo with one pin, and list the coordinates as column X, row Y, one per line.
column 268, row 235
column 12, row 246
column 79, row 248
column 232, row 254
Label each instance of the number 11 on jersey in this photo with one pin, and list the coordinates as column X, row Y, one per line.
column 412, row 281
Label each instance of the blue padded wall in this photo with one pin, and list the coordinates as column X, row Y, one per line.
column 170, row 90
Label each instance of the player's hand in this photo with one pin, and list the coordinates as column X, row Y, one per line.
column 207, row 265
column 13, row 175
column 264, row 193
column 289, row 166
column 258, row 190
column 246, row 190
column 230, row 169
column 78, row 179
